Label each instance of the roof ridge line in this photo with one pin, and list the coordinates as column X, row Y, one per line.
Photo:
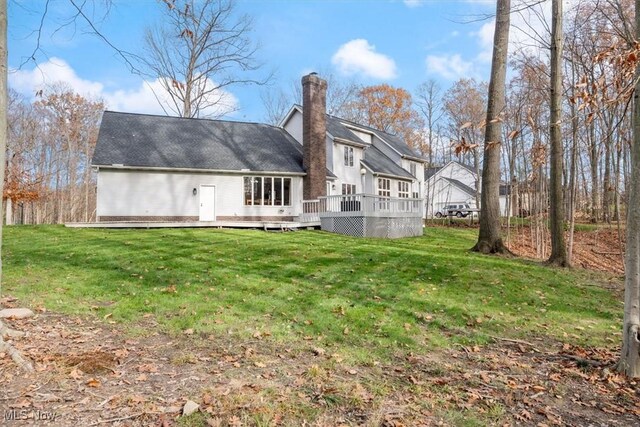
column 190, row 118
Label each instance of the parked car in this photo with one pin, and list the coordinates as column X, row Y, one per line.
column 457, row 210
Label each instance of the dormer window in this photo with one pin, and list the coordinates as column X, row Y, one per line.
column 348, row 156
column 413, row 169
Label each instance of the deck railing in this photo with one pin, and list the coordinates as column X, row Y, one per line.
column 310, row 211
column 370, row 205
column 360, row 205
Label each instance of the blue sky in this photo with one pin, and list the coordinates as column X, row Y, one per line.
column 402, row 43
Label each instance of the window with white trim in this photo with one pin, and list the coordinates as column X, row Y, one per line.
column 413, row 168
column 348, row 189
column 403, row 189
column 348, row 156
column 267, row 191
column 384, row 187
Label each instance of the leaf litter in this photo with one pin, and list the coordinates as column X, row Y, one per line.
column 90, row 372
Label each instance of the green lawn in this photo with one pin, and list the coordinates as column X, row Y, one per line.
column 359, row 296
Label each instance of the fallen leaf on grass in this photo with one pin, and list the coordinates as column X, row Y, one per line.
column 148, row 367
column 93, row 383
column 121, row 353
column 24, row 403
column 523, row 416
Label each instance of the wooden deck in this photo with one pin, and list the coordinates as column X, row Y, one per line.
column 285, row 225
column 366, row 215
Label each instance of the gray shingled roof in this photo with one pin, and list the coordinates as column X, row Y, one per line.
column 468, row 167
column 393, row 140
column 338, row 130
column 430, row 171
column 378, row 162
column 462, row 186
column 140, row 140
column 397, row 144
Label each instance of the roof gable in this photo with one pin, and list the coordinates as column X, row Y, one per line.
column 452, row 169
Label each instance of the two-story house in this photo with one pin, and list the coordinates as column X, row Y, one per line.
column 157, row 168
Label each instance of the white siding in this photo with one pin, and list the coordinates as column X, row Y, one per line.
column 370, row 184
column 418, row 183
column 455, row 171
column 503, row 205
column 439, row 192
column 366, row 137
column 294, row 126
column 346, row 174
column 443, row 193
column 142, row 193
column 330, row 155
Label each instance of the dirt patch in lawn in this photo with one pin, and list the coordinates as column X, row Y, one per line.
column 598, row 249
column 89, row 372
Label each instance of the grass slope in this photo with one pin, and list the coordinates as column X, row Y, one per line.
column 363, row 297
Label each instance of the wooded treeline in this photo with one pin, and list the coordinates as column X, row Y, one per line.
column 51, row 140
column 449, row 124
column 50, row 144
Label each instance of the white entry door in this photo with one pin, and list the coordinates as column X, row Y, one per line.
column 207, row 203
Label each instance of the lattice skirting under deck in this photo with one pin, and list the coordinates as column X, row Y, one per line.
column 361, row 226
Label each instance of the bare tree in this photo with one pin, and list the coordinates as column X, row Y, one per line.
column 630, row 356
column 202, row 49
column 389, row 109
column 556, row 203
column 429, row 101
column 489, row 239
column 340, row 94
column 465, row 104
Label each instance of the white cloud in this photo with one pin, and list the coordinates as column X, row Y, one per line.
column 360, row 57
column 528, row 33
column 413, row 3
column 417, row 3
column 485, row 41
column 149, row 95
column 143, row 99
column 53, row 71
column 451, row 67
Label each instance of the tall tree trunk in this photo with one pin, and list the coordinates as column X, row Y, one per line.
column 556, row 209
column 606, row 186
column 489, row 239
column 630, row 355
column 593, row 157
column 573, row 175
column 8, row 217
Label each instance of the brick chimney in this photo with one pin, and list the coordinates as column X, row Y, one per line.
column 314, row 134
